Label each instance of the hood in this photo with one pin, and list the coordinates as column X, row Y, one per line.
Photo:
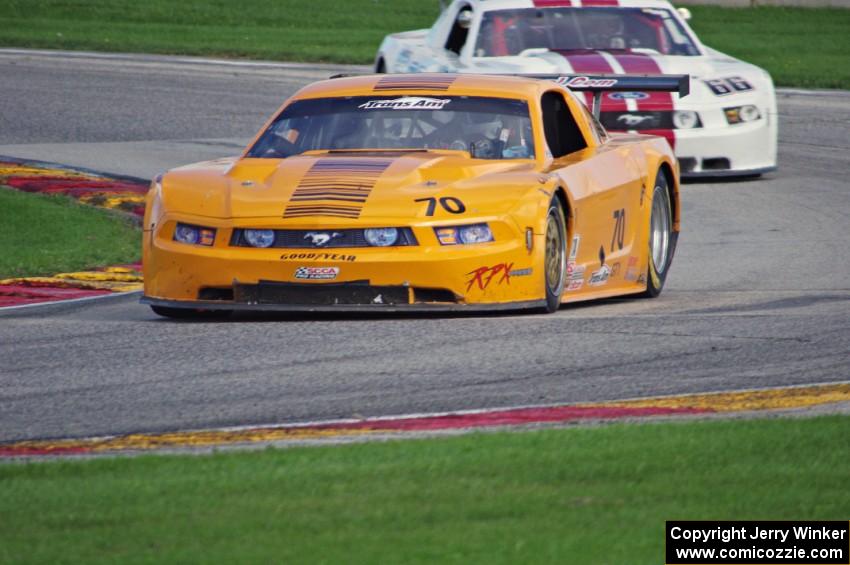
column 343, row 186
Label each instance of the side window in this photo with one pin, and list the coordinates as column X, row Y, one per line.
column 460, row 30
column 599, row 131
column 562, row 132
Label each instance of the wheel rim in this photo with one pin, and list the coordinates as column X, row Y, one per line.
column 659, row 235
column 555, row 254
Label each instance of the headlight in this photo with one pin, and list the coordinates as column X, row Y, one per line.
column 686, row 119
column 194, row 235
column 259, row 238
column 740, row 114
column 473, row 233
column 381, row 237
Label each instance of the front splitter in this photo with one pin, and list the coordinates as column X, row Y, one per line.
column 222, row 305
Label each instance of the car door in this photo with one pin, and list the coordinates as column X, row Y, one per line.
column 606, row 183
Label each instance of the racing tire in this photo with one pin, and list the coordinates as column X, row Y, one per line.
column 188, row 313
column 662, row 238
column 380, row 67
column 555, row 256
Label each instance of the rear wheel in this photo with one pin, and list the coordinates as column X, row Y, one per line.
column 555, row 255
column 662, row 239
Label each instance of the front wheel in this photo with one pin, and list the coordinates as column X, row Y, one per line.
column 555, row 256
column 662, row 238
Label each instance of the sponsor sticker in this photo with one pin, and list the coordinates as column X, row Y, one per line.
column 575, row 275
column 586, row 82
column 316, row 272
column 406, row 103
column 317, row 257
column 628, row 95
column 574, row 247
column 600, row 277
column 631, row 270
column 483, row 276
column 521, row 272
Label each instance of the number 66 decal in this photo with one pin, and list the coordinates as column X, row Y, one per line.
column 450, row 204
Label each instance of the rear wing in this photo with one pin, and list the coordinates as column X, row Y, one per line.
column 597, row 84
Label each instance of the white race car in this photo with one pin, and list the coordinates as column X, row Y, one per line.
column 726, row 127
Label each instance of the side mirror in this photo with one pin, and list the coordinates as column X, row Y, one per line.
column 684, row 13
column 464, row 19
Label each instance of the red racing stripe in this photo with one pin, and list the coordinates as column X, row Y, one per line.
column 592, row 3
column 591, row 62
column 552, row 3
column 634, row 63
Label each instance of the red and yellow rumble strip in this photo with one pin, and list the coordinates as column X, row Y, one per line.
column 726, row 402
column 88, row 187
column 67, row 286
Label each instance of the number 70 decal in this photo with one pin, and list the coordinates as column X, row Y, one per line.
column 619, row 229
column 450, row 204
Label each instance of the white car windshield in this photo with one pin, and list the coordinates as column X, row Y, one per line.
column 510, row 32
column 489, row 128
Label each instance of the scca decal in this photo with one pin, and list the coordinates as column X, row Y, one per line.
column 317, row 257
column 316, row 272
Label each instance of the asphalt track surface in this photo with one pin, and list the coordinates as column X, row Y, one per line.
column 758, row 296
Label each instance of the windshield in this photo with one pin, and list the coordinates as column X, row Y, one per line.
column 510, row 32
column 489, row 128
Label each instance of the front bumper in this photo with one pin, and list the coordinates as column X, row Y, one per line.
column 720, row 149
column 496, row 275
column 728, row 150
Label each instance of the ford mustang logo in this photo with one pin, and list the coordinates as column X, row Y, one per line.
column 628, row 95
column 632, row 120
column 320, row 239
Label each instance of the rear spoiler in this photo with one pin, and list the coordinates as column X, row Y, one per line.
column 597, row 84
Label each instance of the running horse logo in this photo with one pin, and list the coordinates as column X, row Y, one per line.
column 320, row 239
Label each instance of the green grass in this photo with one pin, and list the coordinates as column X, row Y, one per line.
column 799, row 46
column 44, row 235
column 580, row 495
column 346, row 31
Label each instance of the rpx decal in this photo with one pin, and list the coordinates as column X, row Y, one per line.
column 317, row 257
column 406, row 103
column 483, row 276
column 586, row 82
column 316, row 272
column 600, row 277
column 730, row 85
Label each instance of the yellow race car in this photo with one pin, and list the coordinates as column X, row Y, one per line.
column 425, row 191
